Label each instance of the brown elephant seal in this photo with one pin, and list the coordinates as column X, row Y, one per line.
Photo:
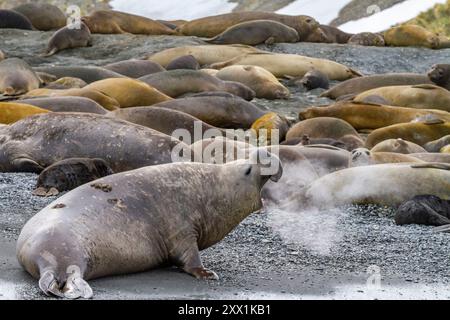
column 440, row 75
column 43, row 16
column 417, row 132
column 172, row 24
column 87, row 74
column 366, row 157
column 134, row 68
column 315, row 79
column 17, row 77
column 170, row 234
column 68, row 38
column 209, row 27
column 256, row 32
column 11, row 112
column 220, row 111
column 359, row 85
column 370, row 116
column 66, row 83
column 426, row 210
column 266, row 125
column 165, row 120
column 335, row 35
column 68, row 174
column 115, row 22
column 125, row 146
column 327, row 127
column 423, row 96
column 176, row 83
column 317, row 36
column 281, row 65
column 437, row 145
column 66, row 104
column 184, row 62
column 265, row 84
column 367, row 39
column 11, row 19
column 411, row 36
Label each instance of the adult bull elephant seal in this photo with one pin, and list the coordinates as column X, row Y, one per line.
column 68, row 38
column 68, row 174
column 125, row 146
column 43, row 16
column 184, row 62
column 115, row 22
column 426, row 210
column 135, row 68
column 411, row 36
column 87, row 74
column 440, row 75
column 66, row 104
column 95, row 231
column 17, row 77
column 14, row 20
column 256, row 32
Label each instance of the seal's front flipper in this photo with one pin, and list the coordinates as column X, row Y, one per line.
column 76, row 287
column 49, row 284
column 192, row 264
column 270, row 41
column 44, row 192
column 26, row 165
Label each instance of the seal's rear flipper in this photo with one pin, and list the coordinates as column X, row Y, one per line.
column 76, row 287
column 445, row 228
column 191, row 263
column 49, row 284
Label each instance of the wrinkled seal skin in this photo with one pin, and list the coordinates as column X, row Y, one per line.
column 256, row 32
column 115, row 22
column 66, row 104
column 69, row 174
column 68, row 38
column 440, row 75
column 134, row 68
column 43, row 16
column 126, row 223
column 87, row 74
column 24, row 145
column 184, row 62
column 427, row 210
column 176, row 83
column 14, row 20
column 17, row 77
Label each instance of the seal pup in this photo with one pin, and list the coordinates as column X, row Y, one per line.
column 68, row 38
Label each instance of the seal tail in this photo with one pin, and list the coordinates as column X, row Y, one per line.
column 49, row 53
column 74, row 288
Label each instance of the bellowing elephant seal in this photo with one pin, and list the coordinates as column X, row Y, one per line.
column 184, row 62
column 87, row 74
column 411, row 36
column 66, row 104
column 68, row 174
column 96, row 231
column 398, row 146
column 11, row 112
column 14, row 20
column 365, row 157
column 426, row 210
column 68, row 38
column 17, row 77
column 125, row 146
column 437, row 145
column 256, row 32
column 440, row 75
column 134, row 68
column 43, row 16
column 115, row 22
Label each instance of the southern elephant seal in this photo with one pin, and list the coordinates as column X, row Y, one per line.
column 134, row 68
column 281, row 65
column 437, row 145
column 68, row 174
column 43, row 16
column 432, row 157
column 208, row 201
column 359, row 85
column 440, row 75
column 125, row 146
column 87, row 74
column 17, row 77
column 264, row 128
column 184, row 62
column 315, row 79
column 256, row 32
column 426, row 210
column 212, row 26
column 66, row 83
column 115, row 22
column 264, row 83
column 11, row 112
column 382, row 184
column 176, row 83
column 325, row 159
column 317, row 36
column 66, row 104
column 367, row 39
column 335, row 35
column 398, row 146
column 14, row 20
column 68, row 38
column 366, row 157
column 411, row 36
column 422, row 96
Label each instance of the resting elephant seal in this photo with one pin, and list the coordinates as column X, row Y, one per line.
column 265, row 126
column 315, row 79
column 326, row 127
column 325, row 159
column 220, row 111
column 66, row 104
column 368, row 39
column 305, row 140
column 11, row 112
column 184, row 62
column 411, row 36
column 68, row 38
column 43, row 16
column 87, row 74
column 366, row 157
column 125, row 146
column 66, row 83
column 205, row 55
column 382, row 184
column 17, row 77
column 440, row 75
column 212, row 26
column 134, row 68
column 427, row 210
column 335, row 35
column 437, row 145
column 256, row 32
column 359, row 85
column 14, row 20
column 265, row 84
column 172, row 24
column 67, row 174
column 423, row 96
column 115, row 22
column 214, row 198
column 164, row 120
column 370, row 116
column 281, row 65
column 176, row 83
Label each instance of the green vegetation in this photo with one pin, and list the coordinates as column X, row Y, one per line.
column 436, row 19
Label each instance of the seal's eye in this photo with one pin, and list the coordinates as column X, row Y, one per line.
column 308, row 20
column 248, row 171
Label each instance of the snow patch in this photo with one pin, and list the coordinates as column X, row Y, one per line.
column 323, row 11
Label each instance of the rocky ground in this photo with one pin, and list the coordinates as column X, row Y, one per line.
column 274, row 255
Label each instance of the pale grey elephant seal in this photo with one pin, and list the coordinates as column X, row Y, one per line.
column 68, row 38
column 68, row 174
column 135, row 68
column 14, row 20
column 25, row 145
column 43, row 16
column 427, row 210
column 136, row 221
column 17, row 77
column 184, row 62
column 437, row 145
column 87, row 74
column 66, row 104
